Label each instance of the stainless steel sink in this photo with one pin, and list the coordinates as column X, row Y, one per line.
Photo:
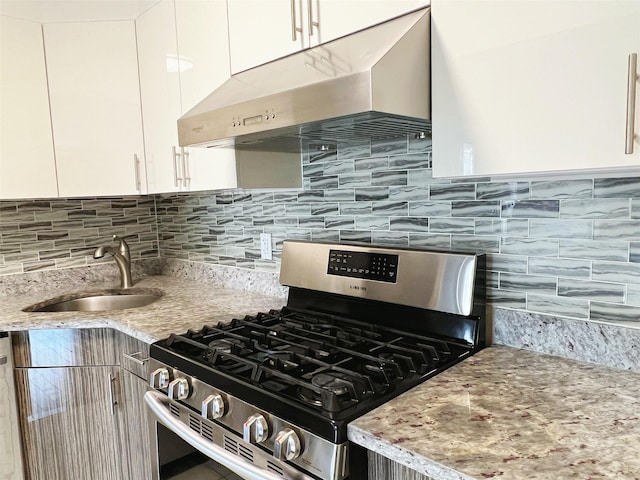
column 120, row 299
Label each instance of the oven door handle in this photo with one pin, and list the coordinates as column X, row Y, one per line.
column 158, row 403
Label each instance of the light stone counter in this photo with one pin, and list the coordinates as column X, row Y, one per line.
column 186, row 303
column 503, row 413
column 513, row 414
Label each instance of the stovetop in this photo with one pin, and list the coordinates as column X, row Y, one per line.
column 319, row 362
column 361, row 326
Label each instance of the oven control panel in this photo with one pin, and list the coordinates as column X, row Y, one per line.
column 370, row 266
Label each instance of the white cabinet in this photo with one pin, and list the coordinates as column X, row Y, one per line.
column 203, row 40
column 183, row 56
column 263, row 30
column 27, row 165
column 95, row 108
column 535, row 86
column 160, row 94
column 342, row 17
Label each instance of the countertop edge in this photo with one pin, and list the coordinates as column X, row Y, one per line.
column 414, row 461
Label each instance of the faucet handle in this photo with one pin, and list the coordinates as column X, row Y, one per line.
column 123, row 247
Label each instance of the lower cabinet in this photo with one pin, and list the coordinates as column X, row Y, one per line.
column 382, row 467
column 84, row 419
column 69, row 422
column 134, row 435
column 11, row 453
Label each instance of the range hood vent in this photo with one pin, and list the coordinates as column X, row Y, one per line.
column 368, row 85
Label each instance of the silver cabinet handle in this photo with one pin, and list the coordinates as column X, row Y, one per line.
column 132, row 356
column 136, row 168
column 158, row 404
column 310, row 17
column 186, row 182
column 294, row 22
column 631, row 103
column 112, row 394
column 176, row 167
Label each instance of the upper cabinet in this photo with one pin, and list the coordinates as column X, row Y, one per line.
column 27, row 165
column 160, row 94
column 95, row 108
column 263, row 30
column 183, row 56
column 331, row 19
column 527, row 87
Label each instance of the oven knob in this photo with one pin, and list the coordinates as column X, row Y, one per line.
column 178, row 389
column 213, row 406
column 159, row 378
column 256, row 429
column 286, row 446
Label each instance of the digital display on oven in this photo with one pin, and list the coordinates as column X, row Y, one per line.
column 370, row 266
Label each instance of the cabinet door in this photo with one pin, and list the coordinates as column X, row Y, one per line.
column 522, row 87
column 159, row 65
column 134, row 429
column 95, row 108
column 184, row 55
column 263, row 30
column 210, row 168
column 27, row 166
column 203, row 42
column 11, row 457
column 336, row 18
column 68, row 423
column 383, row 467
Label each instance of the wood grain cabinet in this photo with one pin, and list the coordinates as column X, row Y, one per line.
column 263, row 30
column 134, row 427
column 530, row 87
column 82, row 414
column 382, row 467
column 11, row 453
column 183, row 56
column 69, row 422
column 27, row 165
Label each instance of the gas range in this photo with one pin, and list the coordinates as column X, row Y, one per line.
column 362, row 325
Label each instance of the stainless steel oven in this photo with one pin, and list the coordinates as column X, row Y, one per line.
column 186, row 446
column 269, row 396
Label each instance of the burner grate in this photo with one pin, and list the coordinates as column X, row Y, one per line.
column 322, row 360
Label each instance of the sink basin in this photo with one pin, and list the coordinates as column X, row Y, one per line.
column 120, row 299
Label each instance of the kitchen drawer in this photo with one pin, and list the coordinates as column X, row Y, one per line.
column 134, row 355
column 65, row 347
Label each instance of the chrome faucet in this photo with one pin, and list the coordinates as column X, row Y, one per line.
column 122, row 257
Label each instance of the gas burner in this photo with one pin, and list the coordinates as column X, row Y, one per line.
column 225, row 345
column 333, row 391
column 337, row 383
column 222, row 348
column 283, row 361
column 309, row 396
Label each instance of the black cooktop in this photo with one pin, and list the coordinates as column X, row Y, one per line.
column 317, row 370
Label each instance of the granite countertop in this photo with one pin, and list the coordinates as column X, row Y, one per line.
column 503, row 413
column 185, row 304
column 513, row 414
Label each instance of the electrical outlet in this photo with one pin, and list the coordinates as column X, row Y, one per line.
column 265, row 246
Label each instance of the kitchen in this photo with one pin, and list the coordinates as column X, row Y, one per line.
column 563, row 250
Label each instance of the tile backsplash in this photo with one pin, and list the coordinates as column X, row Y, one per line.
column 60, row 233
column 565, row 247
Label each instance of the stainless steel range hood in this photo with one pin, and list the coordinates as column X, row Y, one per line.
column 371, row 84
